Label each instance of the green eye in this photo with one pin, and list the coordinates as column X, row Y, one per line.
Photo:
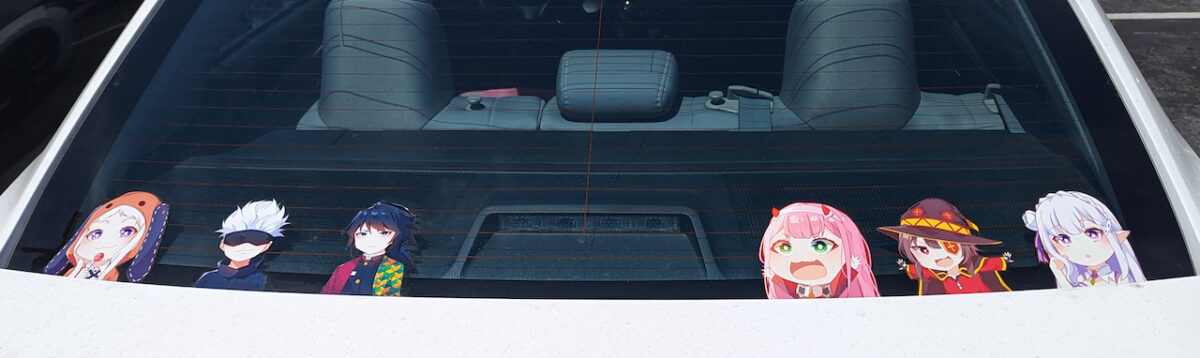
column 821, row 246
column 783, row 248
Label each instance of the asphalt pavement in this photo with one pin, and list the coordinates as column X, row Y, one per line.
column 1168, row 54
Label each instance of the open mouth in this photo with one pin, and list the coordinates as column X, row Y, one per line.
column 808, row 270
column 944, row 262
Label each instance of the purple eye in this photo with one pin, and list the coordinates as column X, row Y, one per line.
column 362, row 234
column 128, row 231
column 1093, row 234
column 95, row 234
column 1063, row 239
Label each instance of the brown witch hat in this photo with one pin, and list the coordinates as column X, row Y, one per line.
column 937, row 219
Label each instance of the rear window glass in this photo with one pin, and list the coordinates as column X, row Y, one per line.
column 635, row 149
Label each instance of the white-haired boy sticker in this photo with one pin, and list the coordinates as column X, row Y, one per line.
column 245, row 234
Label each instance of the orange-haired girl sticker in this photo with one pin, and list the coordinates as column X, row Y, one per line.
column 125, row 229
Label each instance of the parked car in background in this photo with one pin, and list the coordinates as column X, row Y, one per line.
column 49, row 51
column 35, row 40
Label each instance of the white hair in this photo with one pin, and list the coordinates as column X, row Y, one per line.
column 125, row 211
column 266, row 216
column 1063, row 212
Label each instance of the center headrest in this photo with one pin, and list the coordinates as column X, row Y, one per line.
column 617, row 85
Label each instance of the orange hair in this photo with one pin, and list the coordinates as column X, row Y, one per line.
column 145, row 203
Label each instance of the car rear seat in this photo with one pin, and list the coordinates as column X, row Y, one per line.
column 512, row 113
column 384, row 67
column 624, row 90
column 942, row 111
column 849, row 65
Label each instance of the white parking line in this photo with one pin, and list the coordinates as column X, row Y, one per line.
column 1155, row 16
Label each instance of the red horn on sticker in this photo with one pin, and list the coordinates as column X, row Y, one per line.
column 774, row 212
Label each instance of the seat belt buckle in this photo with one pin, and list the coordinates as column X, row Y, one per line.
column 989, row 98
column 718, row 101
column 728, row 101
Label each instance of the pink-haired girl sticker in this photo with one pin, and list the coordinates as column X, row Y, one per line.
column 813, row 250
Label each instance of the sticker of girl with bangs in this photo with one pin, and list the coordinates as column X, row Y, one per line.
column 1082, row 241
column 378, row 233
column 123, row 230
column 939, row 249
column 813, row 250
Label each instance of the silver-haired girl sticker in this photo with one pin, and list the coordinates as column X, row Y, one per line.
column 1082, row 241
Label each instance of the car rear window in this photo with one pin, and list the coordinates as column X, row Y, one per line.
column 603, row 149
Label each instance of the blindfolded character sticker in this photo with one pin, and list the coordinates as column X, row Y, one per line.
column 123, row 230
column 813, row 250
column 379, row 234
column 245, row 235
column 1082, row 241
column 940, row 248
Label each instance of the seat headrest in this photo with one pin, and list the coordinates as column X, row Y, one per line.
column 850, row 64
column 617, row 85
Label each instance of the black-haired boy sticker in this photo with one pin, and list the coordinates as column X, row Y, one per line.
column 378, row 234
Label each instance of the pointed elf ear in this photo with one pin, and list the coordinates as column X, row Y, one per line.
column 1122, row 235
column 774, row 212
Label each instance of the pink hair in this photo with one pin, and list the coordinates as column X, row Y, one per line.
column 808, row 220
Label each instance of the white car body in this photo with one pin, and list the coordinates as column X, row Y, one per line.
column 45, row 316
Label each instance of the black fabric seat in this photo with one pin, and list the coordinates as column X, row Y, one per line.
column 384, row 66
column 849, row 64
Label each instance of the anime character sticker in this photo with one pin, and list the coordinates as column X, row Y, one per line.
column 813, row 250
column 1082, row 241
column 378, row 233
column 123, row 230
column 245, row 235
column 940, row 249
